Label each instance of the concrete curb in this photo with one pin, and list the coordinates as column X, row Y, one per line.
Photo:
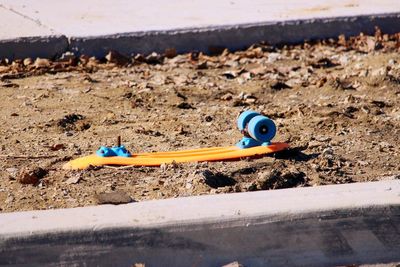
column 43, row 47
column 233, row 37
column 320, row 226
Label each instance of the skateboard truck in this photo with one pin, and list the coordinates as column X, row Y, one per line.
column 258, row 130
column 247, row 142
column 115, row 151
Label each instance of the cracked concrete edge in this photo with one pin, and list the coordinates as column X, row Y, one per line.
column 314, row 226
column 233, row 37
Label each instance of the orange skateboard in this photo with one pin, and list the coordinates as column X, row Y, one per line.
column 258, row 131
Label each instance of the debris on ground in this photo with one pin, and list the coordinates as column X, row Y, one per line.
column 276, row 179
column 335, row 101
column 115, row 198
column 233, row 264
column 216, row 180
column 31, row 175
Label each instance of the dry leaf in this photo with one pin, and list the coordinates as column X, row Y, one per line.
column 117, row 58
column 41, row 63
column 74, row 179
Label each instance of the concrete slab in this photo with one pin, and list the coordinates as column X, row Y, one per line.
column 95, row 27
column 321, row 226
column 76, row 18
column 22, row 37
column 14, row 25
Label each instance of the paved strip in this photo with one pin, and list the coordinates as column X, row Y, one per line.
column 13, row 25
column 76, row 18
column 94, row 27
column 327, row 225
column 22, row 37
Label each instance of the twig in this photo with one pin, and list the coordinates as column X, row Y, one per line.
column 27, row 157
column 119, row 168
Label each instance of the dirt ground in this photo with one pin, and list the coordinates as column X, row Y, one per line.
column 336, row 102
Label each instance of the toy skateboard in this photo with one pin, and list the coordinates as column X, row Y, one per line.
column 258, row 131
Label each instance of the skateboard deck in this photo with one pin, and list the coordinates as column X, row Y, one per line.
column 193, row 155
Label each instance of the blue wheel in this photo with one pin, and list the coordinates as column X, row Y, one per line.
column 244, row 118
column 261, row 128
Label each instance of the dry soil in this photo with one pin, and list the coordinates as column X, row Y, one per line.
column 337, row 102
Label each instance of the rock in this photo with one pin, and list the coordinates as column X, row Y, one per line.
column 327, row 153
column 344, row 60
column 202, row 65
column 185, row 105
column 277, row 179
column 82, row 126
column 57, row 147
column 272, row 57
column 342, row 83
column 379, row 72
column 9, row 84
column 217, row 50
column 139, row 58
column 28, row 61
column 321, row 82
column 232, row 63
column 279, row 85
column 84, row 59
column 371, row 44
column 4, row 62
column 313, row 144
column 391, row 62
column 216, row 180
column 189, row 185
column 323, row 63
column 227, row 96
column 41, row 63
column 154, row 58
column 116, row 58
column 115, row 198
column 208, row 118
column 31, row 176
column 232, row 74
column 194, row 55
column 380, row 104
column 4, row 68
column 170, row 52
column 67, row 56
column 13, row 172
column 178, row 59
column 233, row 264
column 74, row 179
column 69, row 120
column 10, row 199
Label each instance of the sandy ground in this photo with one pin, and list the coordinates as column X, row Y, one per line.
column 337, row 102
